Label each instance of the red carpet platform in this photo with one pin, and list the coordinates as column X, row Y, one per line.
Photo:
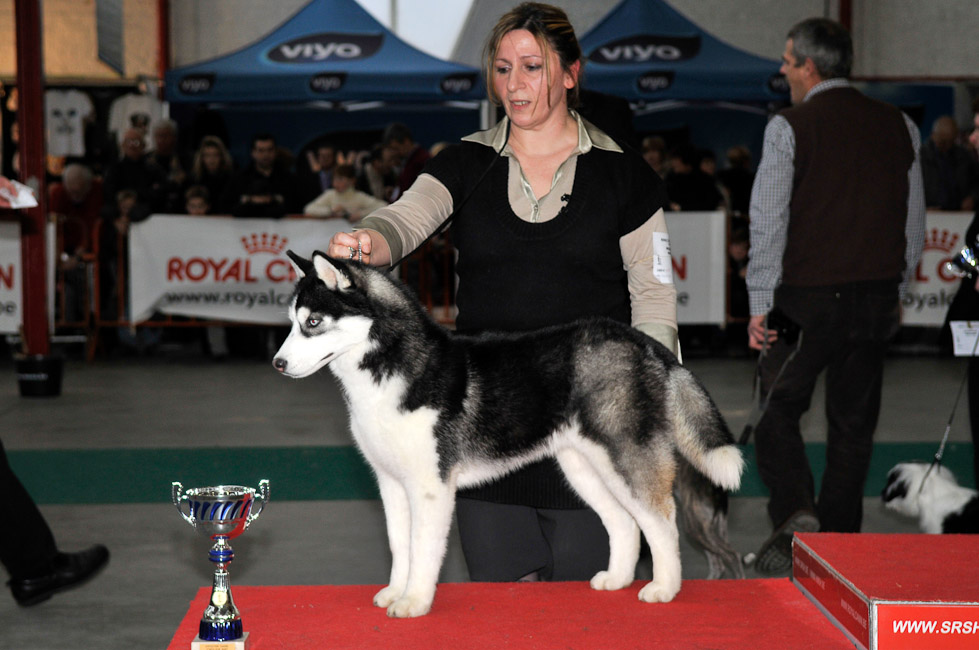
column 890, row 592
column 723, row 614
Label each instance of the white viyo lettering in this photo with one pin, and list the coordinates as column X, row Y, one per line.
column 641, row 53
column 320, row 51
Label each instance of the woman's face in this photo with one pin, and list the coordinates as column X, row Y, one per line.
column 974, row 136
column 211, row 158
column 521, row 83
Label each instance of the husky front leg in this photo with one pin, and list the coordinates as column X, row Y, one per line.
column 431, row 507
column 397, row 518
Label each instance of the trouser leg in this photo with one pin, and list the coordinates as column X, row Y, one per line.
column 26, row 544
column 853, row 394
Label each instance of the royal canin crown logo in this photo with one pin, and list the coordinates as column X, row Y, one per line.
column 941, row 240
column 264, row 243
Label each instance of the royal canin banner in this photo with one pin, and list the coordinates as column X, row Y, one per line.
column 11, row 303
column 219, row 267
column 699, row 252
column 932, row 287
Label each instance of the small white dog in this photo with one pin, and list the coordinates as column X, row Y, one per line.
column 935, row 498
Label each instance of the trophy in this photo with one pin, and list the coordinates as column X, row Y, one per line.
column 221, row 513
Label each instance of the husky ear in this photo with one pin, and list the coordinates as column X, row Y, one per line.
column 303, row 266
column 332, row 276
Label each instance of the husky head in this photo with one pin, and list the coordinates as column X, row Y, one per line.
column 330, row 313
column 911, row 487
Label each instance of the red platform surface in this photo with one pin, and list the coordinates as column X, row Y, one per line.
column 729, row 614
column 894, row 591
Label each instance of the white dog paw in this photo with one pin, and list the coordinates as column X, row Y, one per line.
column 408, row 607
column 605, row 581
column 386, row 596
column 654, row 592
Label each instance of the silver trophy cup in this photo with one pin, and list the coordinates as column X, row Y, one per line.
column 221, row 513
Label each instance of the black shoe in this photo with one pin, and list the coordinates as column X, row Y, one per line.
column 775, row 555
column 70, row 570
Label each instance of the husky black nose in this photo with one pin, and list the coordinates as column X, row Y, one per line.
column 279, row 364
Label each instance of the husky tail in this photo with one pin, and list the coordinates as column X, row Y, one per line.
column 702, row 436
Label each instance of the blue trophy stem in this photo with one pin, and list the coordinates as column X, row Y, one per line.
column 221, row 620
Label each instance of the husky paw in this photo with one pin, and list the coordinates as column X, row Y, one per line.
column 605, row 581
column 654, row 592
column 408, row 607
column 386, row 596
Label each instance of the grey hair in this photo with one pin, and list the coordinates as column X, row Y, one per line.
column 827, row 43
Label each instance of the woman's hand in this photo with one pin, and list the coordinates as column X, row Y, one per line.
column 367, row 246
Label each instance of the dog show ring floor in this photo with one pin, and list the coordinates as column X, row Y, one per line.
column 100, row 458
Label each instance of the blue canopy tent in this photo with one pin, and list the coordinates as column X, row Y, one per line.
column 332, row 51
column 645, row 51
column 333, row 72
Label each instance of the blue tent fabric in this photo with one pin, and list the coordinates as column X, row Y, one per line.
column 644, row 50
column 330, row 50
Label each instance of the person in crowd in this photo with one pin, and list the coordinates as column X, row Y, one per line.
column 322, row 163
column 411, row 156
column 737, row 178
column 836, row 230
column 582, row 233
column 654, row 153
column 212, row 168
column 28, row 550
column 965, row 306
column 134, row 171
column 76, row 205
column 197, row 201
column 688, row 187
column 377, row 176
column 951, row 174
column 164, row 155
column 264, row 188
column 343, row 201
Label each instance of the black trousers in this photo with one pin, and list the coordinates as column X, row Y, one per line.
column 504, row 542
column 845, row 332
column 974, row 415
column 27, row 546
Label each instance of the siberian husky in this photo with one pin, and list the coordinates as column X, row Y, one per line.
column 932, row 496
column 433, row 411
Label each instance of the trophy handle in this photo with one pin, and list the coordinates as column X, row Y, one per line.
column 262, row 497
column 178, row 497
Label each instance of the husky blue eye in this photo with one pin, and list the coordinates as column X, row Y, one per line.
column 312, row 322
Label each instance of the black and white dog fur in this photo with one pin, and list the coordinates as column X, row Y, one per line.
column 433, row 411
column 939, row 503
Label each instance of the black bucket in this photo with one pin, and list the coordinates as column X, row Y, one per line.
column 39, row 375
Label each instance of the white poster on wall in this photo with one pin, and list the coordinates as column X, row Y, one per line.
column 11, row 300
column 699, row 251
column 219, row 267
column 933, row 287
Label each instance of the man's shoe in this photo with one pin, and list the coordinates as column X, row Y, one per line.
column 775, row 555
column 70, row 570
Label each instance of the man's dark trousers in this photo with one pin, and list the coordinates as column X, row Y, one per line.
column 845, row 331
column 27, row 546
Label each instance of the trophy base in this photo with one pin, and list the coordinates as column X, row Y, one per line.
column 237, row 644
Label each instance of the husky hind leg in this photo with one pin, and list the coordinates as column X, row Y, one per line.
column 649, row 502
column 623, row 533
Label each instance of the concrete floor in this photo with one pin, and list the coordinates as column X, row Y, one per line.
column 179, row 400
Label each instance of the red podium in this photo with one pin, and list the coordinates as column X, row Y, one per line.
column 890, row 592
column 729, row 614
